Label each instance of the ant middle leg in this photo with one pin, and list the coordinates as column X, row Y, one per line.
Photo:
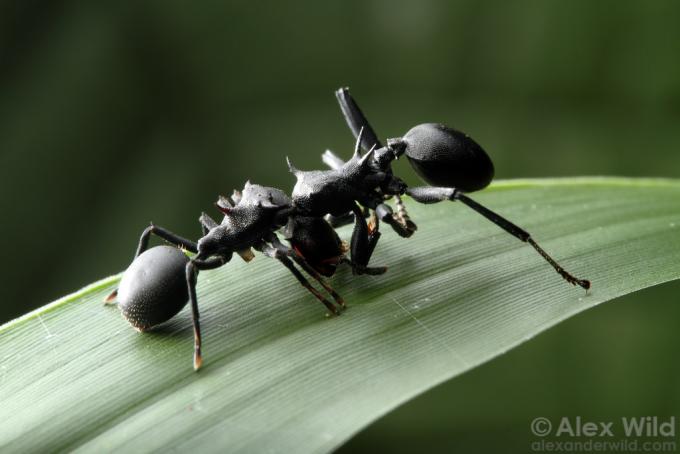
column 302, row 263
column 283, row 257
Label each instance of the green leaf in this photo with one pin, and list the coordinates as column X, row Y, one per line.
column 280, row 376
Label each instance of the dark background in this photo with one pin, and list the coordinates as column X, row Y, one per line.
column 113, row 115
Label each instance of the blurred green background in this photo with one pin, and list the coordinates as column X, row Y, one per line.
column 116, row 114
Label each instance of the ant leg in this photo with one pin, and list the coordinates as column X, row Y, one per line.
column 302, row 263
column 305, row 283
column 402, row 225
column 434, row 195
column 363, row 244
column 339, row 221
column 373, row 237
column 168, row 236
column 428, row 194
column 332, row 160
column 144, row 244
column 207, row 223
column 344, row 219
column 373, row 234
column 356, row 120
column 402, row 215
column 275, row 253
column 192, row 270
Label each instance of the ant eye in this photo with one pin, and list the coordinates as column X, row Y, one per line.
column 443, row 156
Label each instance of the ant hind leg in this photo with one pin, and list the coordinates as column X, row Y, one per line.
column 168, row 236
column 438, row 194
column 192, row 269
column 143, row 245
column 279, row 253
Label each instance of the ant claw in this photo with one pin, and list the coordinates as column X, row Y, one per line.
column 111, row 298
column 333, row 313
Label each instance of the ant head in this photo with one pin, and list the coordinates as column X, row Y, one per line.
column 443, row 156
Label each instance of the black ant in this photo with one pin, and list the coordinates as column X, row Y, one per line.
column 161, row 280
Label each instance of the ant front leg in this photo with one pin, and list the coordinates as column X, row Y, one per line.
column 192, row 270
column 438, row 194
column 363, row 244
column 400, row 222
column 403, row 218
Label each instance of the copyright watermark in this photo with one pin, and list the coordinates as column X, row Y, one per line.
column 626, row 434
column 541, row 426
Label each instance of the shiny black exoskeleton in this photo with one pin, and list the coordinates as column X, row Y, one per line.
column 153, row 288
column 443, row 156
column 161, row 280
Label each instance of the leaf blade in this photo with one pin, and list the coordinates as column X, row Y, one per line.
column 279, row 376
